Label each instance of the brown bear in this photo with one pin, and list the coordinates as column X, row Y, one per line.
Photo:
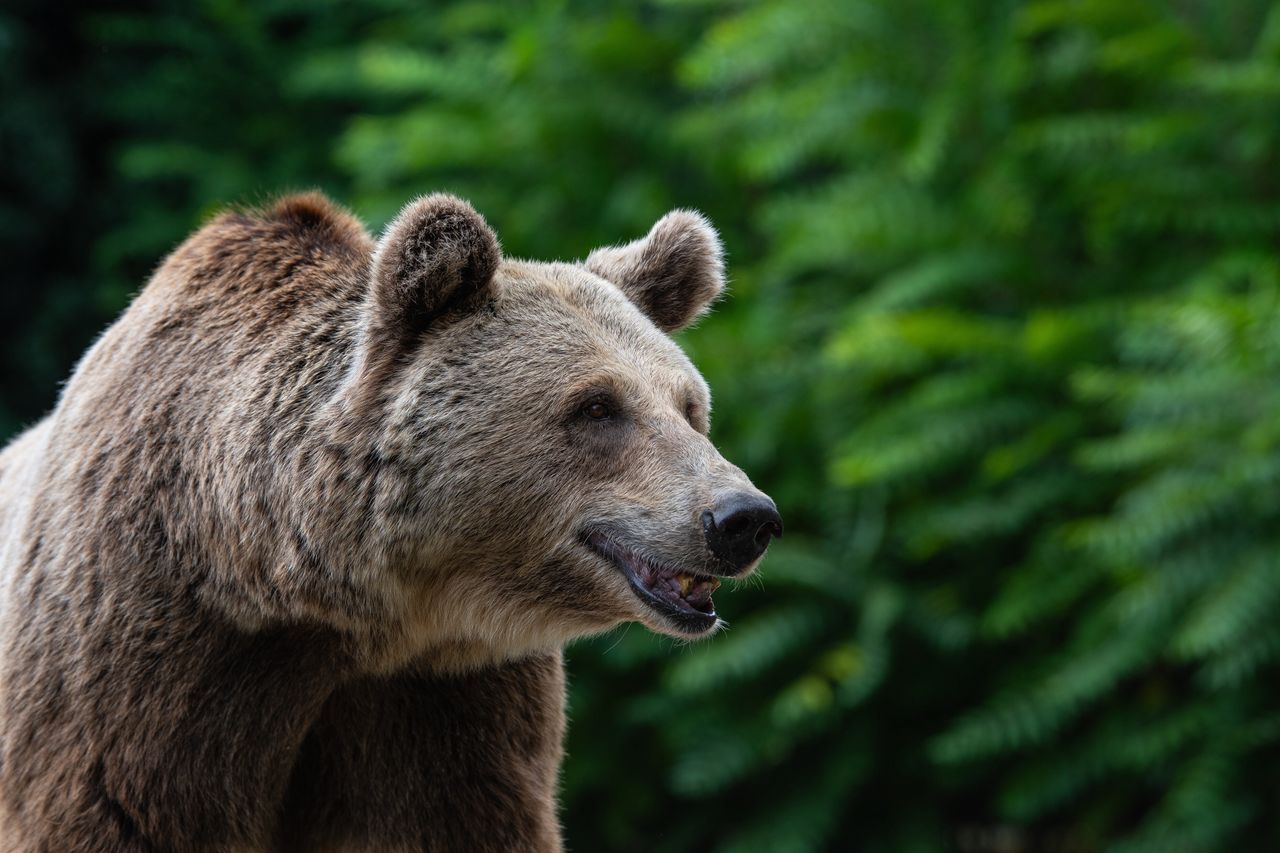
column 291, row 563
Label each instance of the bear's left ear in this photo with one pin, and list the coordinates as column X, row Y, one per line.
column 673, row 274
column 438, row 256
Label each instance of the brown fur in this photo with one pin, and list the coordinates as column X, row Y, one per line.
column 290, row 564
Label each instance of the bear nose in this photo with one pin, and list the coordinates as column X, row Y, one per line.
column 739, row 528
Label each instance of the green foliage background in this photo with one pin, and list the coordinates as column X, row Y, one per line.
column 1004, row 343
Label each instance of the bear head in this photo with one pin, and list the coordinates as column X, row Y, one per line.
column 560, row 479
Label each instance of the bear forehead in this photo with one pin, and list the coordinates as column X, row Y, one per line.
column 574, row 310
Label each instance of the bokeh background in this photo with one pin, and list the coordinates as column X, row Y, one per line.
column 1003, row 341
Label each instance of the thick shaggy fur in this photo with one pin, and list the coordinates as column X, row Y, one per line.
column 290, row 565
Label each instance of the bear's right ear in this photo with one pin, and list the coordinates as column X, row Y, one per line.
column 437, row 256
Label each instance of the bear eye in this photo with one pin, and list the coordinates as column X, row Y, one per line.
column 598, row 410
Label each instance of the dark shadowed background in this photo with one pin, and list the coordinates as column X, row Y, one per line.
column 1003, row 342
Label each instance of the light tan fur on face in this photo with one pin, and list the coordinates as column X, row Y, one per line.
column 307, row 485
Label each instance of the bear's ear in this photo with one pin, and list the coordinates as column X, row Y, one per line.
column 438, row 255
column 673, row 274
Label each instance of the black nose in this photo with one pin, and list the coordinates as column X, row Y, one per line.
column 740, row 526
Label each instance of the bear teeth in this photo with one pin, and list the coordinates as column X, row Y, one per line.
column 691, row 583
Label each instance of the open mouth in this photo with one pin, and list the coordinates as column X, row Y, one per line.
column 683, row 597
